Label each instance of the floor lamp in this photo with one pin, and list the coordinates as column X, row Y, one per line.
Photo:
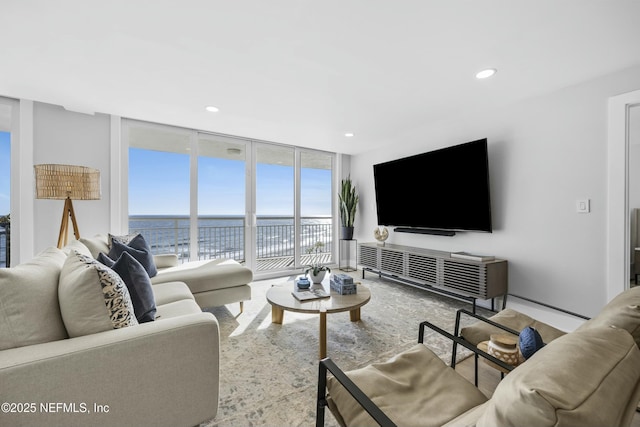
column 67, row 182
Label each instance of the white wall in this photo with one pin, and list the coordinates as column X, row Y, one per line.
column 544, row 154
column 65, row 137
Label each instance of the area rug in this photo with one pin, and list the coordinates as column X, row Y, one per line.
column 269, row 372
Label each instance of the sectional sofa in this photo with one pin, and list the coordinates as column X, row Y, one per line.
column 212, row 282
column 70, row 356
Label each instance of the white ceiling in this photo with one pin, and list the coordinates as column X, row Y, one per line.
column 304, row 72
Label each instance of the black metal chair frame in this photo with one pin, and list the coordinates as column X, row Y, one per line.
column 328, row 366
column 456, row 333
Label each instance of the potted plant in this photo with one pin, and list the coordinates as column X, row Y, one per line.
column 5, row 221
column 348, row 199
column 316, row 271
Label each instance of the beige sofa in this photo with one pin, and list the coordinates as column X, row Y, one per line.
column 160, row 373
column 212, row 282
column 589, row 377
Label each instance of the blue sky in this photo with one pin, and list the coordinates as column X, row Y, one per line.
column 5, row 162
column 159, row 185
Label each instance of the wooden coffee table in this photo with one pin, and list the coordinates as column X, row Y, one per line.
column 281, row 300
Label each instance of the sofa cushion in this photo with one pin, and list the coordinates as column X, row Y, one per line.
column 165, row 293
column 93, row 298
column 138, row 283
column 623, row 312
column 481, row 331
column 29, row 310
column 585, row 378
column 206, row 275
column 177, row 308
column 139, row 249
column 429, row 396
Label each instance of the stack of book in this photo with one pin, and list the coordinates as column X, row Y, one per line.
column 342, row 284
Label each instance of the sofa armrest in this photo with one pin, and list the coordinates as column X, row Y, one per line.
column 158, row 373
column 165, row 260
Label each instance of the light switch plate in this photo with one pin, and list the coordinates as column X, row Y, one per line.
column 583, row 206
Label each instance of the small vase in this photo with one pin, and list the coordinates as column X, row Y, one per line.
column 317, row 278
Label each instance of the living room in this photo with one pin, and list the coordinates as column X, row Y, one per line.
column 548, row 145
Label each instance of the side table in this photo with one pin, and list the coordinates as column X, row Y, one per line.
column 344, row 254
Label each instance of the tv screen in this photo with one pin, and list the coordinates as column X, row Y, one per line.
column 446, row 189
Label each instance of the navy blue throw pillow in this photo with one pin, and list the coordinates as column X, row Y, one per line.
column 137, row 248
column 137, row 280
column 105, row 260
column 530, row 342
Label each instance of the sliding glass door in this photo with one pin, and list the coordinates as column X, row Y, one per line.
column 275, row 208
column 159, row 188
column 316, row 227
column 5, row 192
column 205, row 196
column 222, row 200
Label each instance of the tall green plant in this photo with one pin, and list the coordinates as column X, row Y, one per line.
column 348, row 199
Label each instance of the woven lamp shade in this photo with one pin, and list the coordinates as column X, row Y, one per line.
column 62, row 181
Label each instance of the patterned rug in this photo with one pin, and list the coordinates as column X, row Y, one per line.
column 268, row 372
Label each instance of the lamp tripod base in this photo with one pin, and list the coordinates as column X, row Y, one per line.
column 67, row 214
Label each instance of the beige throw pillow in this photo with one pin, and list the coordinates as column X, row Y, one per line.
column 29, row 310
column 93, row 298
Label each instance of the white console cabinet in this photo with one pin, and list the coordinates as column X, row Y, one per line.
column 437, row 271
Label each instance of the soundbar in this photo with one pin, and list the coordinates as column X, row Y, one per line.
column 432, row 231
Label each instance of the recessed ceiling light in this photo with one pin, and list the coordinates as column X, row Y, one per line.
column 484, row 74
column 212, row 109
column 349, row 134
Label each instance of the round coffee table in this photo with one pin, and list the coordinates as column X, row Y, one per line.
column 281, row 300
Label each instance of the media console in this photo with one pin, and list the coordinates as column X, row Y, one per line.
column 437, row 271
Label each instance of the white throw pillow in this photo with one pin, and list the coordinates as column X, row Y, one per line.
column 93, row 298
column 29, row 310
column 96, row 244
column 76, row 245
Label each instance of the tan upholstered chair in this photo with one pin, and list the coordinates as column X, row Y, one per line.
column 589, row 377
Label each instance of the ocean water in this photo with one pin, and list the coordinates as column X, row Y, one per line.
column 223, row 236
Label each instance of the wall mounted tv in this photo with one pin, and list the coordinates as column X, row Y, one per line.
column 438, row 192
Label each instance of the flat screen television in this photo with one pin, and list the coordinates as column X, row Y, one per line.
column 437, row 192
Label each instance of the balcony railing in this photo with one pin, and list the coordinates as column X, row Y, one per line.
column 223, row 237
column 5, row 248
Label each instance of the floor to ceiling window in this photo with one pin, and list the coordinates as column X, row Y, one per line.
column 5, row 199
column 275, row 208
column 221, row 197
column 205, row 196
column 159, row 189
column 315, row 206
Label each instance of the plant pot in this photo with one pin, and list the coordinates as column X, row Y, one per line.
column 346, row 233
column 317, row 278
